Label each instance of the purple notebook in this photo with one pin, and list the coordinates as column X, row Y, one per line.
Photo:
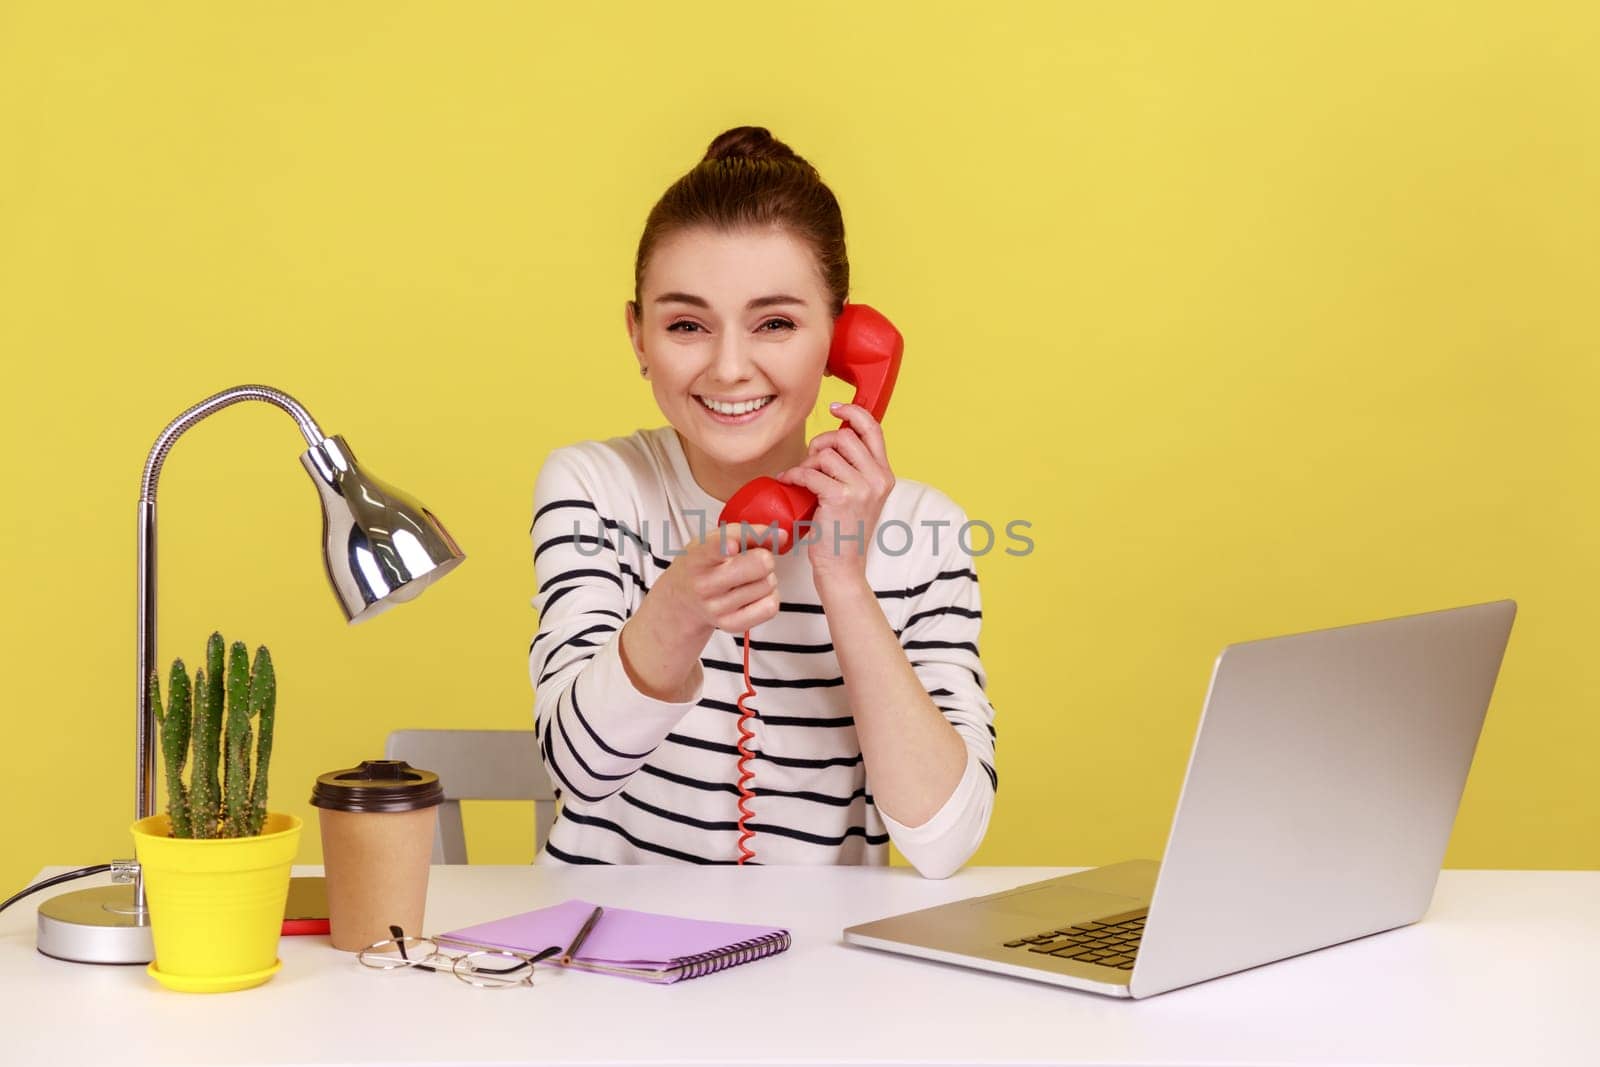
column 633, row 944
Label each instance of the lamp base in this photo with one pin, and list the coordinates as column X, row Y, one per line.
column 99, row 925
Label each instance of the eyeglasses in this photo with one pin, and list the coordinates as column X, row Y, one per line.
column 485, row 968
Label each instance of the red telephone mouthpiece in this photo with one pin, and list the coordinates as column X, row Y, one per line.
column 769, row 502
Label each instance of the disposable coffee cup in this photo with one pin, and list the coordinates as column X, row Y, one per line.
column 377, row 838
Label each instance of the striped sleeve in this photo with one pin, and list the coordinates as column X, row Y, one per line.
column 940, row 638
column 595, row 729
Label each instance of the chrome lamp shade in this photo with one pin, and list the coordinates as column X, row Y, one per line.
column 381, row 546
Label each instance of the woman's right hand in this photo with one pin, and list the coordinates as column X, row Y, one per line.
column 720, row 582
column 725, row 583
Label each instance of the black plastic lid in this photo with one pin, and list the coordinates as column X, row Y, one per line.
column 378, row 785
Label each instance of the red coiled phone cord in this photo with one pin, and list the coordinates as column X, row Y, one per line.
column 745, row 755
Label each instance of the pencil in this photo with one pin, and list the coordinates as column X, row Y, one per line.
column 583, row 933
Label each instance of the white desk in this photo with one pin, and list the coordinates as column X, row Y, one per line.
column 1501, row 971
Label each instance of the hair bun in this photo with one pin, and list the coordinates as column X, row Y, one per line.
column 749, row 142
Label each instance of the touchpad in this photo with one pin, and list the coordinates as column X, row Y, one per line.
column 1058, row 904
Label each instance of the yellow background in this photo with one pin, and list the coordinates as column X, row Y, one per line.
column 1267, row 316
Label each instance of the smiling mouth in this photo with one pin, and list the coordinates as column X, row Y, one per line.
column 735, row 408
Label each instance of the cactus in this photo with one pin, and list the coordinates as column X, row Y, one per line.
column 205, row 790
column 236, row 742
column 263, row 705
column 204, row 796
column 175, row 724
column 194, row 720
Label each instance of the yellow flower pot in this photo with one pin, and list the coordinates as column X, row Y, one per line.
column 216, row 906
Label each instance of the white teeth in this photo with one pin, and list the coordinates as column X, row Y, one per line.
column 740, row 408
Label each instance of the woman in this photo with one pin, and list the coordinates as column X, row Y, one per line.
column 872, row 724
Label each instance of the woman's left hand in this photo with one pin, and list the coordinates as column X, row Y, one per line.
column 848, row 470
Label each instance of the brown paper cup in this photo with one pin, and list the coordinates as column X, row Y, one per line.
column 377, row 870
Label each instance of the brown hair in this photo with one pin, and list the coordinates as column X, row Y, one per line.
column 750, row 180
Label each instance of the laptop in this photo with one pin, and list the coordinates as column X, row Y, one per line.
column 1321, row 790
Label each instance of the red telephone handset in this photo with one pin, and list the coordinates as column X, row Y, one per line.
column 865, row 352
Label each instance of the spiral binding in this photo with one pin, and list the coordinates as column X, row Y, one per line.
column 745, row 755
column 731, row 956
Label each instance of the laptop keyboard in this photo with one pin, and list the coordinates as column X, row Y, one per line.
column 1110, row 942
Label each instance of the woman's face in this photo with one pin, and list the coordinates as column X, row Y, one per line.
column 734, row 330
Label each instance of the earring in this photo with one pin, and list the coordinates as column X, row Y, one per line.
column 644, row 372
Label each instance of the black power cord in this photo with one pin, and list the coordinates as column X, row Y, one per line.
column 82, row 872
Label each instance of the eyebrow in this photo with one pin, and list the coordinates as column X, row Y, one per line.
column 700, row 302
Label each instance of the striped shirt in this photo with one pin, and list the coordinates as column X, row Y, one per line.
column 641, row 780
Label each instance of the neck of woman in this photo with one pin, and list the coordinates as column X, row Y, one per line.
column 722, row 480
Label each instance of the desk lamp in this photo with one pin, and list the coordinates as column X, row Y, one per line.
column 380, row 547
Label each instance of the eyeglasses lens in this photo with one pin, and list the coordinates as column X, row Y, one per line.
column 493, row 970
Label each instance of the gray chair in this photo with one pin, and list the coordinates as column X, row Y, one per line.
column 477, row 765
